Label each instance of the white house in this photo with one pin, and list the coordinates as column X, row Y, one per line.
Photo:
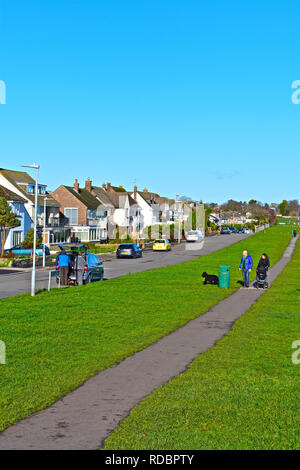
column 15, row 236
column 23, row 185
column 150, row 211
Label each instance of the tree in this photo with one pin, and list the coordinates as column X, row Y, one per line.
column 29, row 239
column 283, row 207
column 8, row 219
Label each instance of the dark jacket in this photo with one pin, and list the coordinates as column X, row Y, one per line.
column 263, row 263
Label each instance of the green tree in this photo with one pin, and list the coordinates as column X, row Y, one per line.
column 29, row 239
column 283, row 206
column 8, row 219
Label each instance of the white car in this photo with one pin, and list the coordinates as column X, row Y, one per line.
column 194, row 236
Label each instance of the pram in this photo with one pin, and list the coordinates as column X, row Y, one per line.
column 261, row 278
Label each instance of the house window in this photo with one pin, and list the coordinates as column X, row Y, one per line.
column 42, row 189
column 30, row 188
column 72, row 216
column 17, row 206
column 17, row 238
column 91, row 214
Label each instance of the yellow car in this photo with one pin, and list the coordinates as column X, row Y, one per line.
column 161, row 245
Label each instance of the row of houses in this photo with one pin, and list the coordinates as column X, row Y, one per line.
column 87, row 213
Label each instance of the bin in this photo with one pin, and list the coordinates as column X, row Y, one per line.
column 224, row 277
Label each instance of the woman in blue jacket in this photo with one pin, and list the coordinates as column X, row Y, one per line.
column 246, row 266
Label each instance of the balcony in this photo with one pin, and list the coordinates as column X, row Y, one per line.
column 99, row 222
column 50, row 222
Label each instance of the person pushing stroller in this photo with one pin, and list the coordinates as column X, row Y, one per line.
column 262, row 272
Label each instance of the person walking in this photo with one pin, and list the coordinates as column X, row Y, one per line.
column 63, row 262
column 264, row 263
column 295, row 233
column 80, row 265
column 246, row 266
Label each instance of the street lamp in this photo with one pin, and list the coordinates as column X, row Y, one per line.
column 44, row 235
column 178, row 217
column 36, row 168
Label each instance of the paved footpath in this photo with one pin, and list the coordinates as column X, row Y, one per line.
column 88, row 415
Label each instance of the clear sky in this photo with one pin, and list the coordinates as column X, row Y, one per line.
column 183, row 96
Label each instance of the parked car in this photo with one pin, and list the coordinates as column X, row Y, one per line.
column 17, row 250
column 225, row 231
column 93, row 270
column 129, row 250
column 232, row 229
column 161, row 245
column 241, row 230
column 194, row 236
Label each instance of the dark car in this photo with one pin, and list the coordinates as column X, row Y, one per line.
column 225, row 231
column 129, row 250
column 232, row 230
column 93, row 270
column 17, row 250
column 241, row 230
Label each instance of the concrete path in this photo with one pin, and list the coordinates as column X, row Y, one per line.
column 87, row 416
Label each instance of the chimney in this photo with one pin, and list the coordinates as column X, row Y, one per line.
column 108, row 188
column 76, row 186
column 134, row 192
column 145, row 190
column 88, row 185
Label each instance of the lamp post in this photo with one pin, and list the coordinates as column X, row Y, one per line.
column 178, row 216
column 44, row 234
column 36, row 168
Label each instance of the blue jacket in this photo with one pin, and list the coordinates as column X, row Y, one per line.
column 248, row 263
column 63, row 260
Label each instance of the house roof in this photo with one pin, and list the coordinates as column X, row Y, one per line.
column 20, row 179
column 84, row 196
column 148, row 197
column 102, row 195
column 118, row 189
column 10, row 195
column 17, row 177
column 118, row 199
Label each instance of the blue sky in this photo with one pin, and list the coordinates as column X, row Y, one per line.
column 190, row 97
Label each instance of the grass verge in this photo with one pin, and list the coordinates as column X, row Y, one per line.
column 57, row 340
column 241, row 394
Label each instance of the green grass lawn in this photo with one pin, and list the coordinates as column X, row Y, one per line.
column 57, row 340
column 241, row 394
column 292, row 221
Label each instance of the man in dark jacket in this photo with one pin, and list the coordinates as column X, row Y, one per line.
column 64, row 263
column 246, row 266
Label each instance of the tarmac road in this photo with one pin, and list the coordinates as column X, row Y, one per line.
column 15, row 281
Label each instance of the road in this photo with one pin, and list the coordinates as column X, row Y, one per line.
column 15, row 282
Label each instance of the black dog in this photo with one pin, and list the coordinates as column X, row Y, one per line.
column 210, row 279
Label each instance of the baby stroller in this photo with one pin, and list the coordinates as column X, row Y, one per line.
column 261, row 278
